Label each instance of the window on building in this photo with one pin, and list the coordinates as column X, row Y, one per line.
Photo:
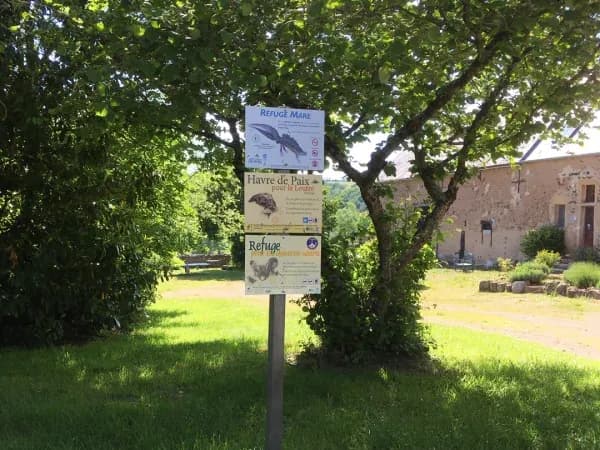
column 559, row 215
column 589, row 193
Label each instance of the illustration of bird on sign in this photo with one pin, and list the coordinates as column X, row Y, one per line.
column 285, row 141
column 267, row 202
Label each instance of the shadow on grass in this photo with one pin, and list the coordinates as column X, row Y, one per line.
column 212, row 275
column 141, row 391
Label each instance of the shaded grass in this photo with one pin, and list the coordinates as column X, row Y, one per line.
column 194, row 377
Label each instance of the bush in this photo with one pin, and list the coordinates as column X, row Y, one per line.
column 547, row 257
column 546, row 237
column 583, row 274
column 505, row 264
column 347, row 317
column 590, row 254
column 529, row 271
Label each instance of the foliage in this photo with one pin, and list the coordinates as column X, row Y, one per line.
column 505, row 264
column 238, row 250
column 214, row 196
column 583, row 274
column 345, row 316
column 454, row 83
column 529, row 271
column 347, row 192
column 547, row 237
column 547, row 257
column 591, row 254
column 90, row 201
column 350, row 222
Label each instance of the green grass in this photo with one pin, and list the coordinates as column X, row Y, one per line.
column 194, row 377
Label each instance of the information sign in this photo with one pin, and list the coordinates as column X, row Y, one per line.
column 284, row 138
column 282, row 203
column 283, row 264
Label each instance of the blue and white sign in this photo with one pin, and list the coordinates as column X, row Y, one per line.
column 284, row 138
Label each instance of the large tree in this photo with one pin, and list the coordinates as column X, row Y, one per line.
column 89, row 195
column 454, row 82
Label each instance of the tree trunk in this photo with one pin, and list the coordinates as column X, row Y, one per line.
column 382, row 291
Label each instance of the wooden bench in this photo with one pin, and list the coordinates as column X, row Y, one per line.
column 204, row 261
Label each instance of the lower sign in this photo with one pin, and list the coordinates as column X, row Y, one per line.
column 283, row 264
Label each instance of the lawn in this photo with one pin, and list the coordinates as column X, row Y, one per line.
column 194, row 377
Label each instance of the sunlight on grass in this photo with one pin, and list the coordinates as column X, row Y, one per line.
column 194, row 377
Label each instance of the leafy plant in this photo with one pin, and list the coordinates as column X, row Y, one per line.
column 547, row 257
column 583, row 274
column 591, row 254
column 529, row 271
column 90, row 190
column 547, row 237
column 505, row 264
column 347, row 316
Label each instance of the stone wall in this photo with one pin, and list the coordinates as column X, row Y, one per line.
column 513, row 200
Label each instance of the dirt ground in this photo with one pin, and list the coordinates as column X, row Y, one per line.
column 567, row 326
column 580, row 336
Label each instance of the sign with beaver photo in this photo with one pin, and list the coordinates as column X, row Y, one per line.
column 282, row 203
column 284, row 138
column 283, row 264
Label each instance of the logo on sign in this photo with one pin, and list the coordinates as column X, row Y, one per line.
column 315, row 142
column 312, row 243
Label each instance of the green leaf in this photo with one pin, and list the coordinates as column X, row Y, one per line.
column 389, row 169
column 138, row 30
column 333, row 4
column 102, row 112
column 99, row 26
column 14, row 28
column 384, row 73
column 246, row 9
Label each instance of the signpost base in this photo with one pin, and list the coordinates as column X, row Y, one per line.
column 275, row 372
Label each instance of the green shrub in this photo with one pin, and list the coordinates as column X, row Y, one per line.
column 590, row 254
column 529, row 271
column 583, row 274
column 546, row 237
column 347, row 315
column 547, row 257
column 505, row 264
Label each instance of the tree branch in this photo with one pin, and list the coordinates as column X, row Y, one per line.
column 338, row 156
column 355, row 126
column 443, row 96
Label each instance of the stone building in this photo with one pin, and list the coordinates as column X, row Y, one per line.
column 501, row 203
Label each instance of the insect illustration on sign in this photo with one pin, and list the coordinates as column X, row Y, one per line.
column 285, row 141
column 266, row 201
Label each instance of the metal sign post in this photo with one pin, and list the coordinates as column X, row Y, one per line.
column 275, row 372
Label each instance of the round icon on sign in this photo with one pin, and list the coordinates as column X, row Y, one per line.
column 312, row 243
column 315, row 142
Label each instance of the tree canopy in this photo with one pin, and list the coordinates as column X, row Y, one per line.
column 454, row 82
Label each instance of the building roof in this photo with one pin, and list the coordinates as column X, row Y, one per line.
column 587, row 142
